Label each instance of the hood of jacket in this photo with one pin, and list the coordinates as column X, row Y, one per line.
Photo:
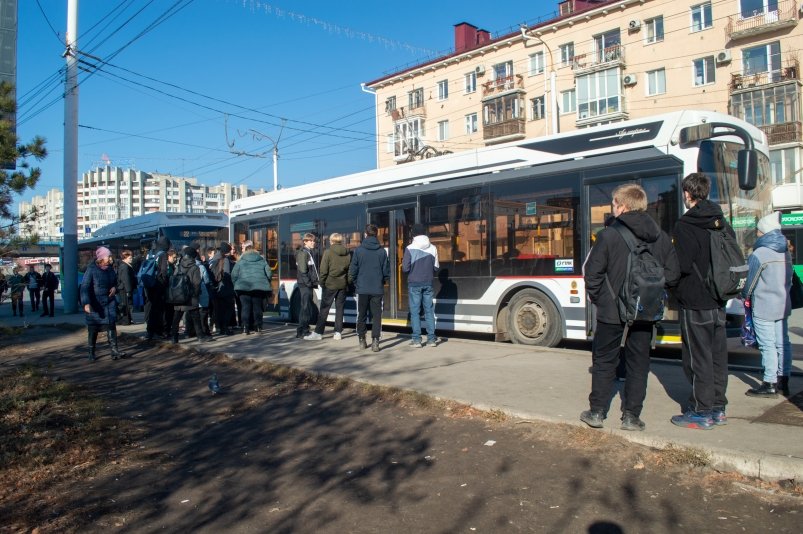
column 186, row 262
column 420, row 242
column 162, row 243
column 774, row 240
column 371, row 243
column 250, row 256
column 339, row 250
column 641, row 224
column 705, row 214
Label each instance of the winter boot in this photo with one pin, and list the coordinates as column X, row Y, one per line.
column 112, row 335
column 783, row 385
column 363, row 344
column 375, row 345
column 92, row 339
column 765, row 390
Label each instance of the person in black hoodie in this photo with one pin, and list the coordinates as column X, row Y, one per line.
column 369, row 271
column 126, row 285
column 155, row 306
column 702, row 316
column 605, row 273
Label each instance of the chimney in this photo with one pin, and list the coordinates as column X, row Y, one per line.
column 483, row 37
column 465, row 37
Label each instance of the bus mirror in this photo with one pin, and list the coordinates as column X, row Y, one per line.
column 748, row 165
column 698, row 132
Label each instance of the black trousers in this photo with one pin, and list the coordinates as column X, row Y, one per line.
column 224, row 311
column 251, row 306
column 35, row 297
column 205, row 327
column 48, row 296
column 605, row 358
column 338, row 296
column 155, row 310
column 705, row 357
column 374, row 303
column 125, row 304
column 305, row 314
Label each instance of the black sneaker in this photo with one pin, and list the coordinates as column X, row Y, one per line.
column 632, row 422
column 765, row 390
column 592, row 418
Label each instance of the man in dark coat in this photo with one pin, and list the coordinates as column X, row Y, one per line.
column 126, row 286
column 369, row 271
column 307, row 278
column 50, row 283
column 605, row 273
column 702, row 316
column 186, row 265
column 155, row 306
column 334, row 280
column 98, row 290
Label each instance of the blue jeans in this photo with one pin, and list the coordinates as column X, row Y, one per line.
column 422, row 295
column 776, row 350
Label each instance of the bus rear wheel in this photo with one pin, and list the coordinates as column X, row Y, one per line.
column 533, row 319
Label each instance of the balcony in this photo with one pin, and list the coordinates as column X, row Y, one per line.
column 785, row 132
column 501, row 132
column 502, row 85
column 745, row 82
column 785, row 15
column 611, row 56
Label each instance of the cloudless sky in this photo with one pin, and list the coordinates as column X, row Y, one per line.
column 216, row 72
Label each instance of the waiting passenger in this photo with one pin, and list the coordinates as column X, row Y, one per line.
column 334, row 280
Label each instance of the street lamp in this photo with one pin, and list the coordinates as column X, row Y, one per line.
column 552, row 79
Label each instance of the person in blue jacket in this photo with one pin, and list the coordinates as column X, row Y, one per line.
column 98, row 296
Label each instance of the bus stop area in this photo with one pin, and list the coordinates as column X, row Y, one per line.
column 763, row 437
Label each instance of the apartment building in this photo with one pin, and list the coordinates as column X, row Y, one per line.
column 49, row 219
column 603, row 61
column 107, row 194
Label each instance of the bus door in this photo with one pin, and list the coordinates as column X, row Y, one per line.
column 394, row 234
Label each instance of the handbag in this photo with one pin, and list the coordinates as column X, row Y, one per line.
column 796, row 292
column 748, row 333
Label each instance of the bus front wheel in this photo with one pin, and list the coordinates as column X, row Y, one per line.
column 533, row 319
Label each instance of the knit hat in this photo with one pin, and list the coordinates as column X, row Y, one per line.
column 225, row 248
column 418, row 229
column 102, row 253
column 770, row 222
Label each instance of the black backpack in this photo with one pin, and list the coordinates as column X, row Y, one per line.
column 727, row 271
column 179, row 290
column 643, row 294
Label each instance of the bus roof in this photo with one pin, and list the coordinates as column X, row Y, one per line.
column 654, row 131
column 155, row 220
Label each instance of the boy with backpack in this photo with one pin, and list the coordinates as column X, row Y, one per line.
column 702, row 304
column 626, row 276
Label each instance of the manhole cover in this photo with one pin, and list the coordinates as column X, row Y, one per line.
column 789, row 412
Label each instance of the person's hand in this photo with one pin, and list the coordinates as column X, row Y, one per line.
column 112, row 291
column 87, row 308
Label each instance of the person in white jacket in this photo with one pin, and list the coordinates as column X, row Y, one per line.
column 420, row 262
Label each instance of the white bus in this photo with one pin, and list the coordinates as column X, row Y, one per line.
column 513, row 222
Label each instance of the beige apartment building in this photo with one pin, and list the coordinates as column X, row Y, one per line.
column 602, row 61
column 49, row 218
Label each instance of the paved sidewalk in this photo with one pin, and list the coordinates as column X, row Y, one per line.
column 530, row 383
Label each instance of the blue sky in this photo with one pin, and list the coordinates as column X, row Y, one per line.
column 223, row 71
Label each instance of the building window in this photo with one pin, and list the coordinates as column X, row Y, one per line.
column 752, row 8
column 568, row 101
column 537, row 109
column 608, row 46
column 536, row 63
column 407, row 136
column 443, row 130
column 471, row 82
column 598, row 93
column 701, row 17
column 655, row 30
column 503, row 109
column 656, row 82
column 764, row 58
column 471, row 123
column 443, row 89
column 567, row 54
column 503, row 74
column 389, row 144
column 390, row 104
column 415, row 99
column 783, row 166
column 704, row 71
column 767, row 106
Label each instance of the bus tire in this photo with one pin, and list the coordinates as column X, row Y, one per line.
column 533, row 319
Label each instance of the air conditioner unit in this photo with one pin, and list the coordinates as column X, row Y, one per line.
column 629, row 79
column 480, row 70
column 724, row 56
column 634, row 24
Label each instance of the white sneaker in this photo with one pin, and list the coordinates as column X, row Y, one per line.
column 312, row 336
column 337, row 336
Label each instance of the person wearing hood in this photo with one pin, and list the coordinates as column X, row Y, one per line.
column 307, row 281
column 605, row 272
column 420, row 262
column 187, row 266
column 369, row 271
column 156, row 324
column 769, row 280
column 702, row 315
column 98, row 295
column 334, row 280
column 251, row 276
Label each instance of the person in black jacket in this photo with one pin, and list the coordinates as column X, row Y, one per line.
column 702, row 316
column 369, row 271
column 605, row 273
column 50, row 283
column 33, row 281
column 221, row 266
column 308, row 280
column 155, row 306
column 126, row 286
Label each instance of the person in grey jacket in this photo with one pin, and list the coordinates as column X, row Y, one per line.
column 369, row 271
column 768, row 282
column 251, row 276
column 334, row 279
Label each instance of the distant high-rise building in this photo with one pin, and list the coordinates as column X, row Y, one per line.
column 49, row 220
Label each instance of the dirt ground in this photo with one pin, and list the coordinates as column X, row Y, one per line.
column 142, row 445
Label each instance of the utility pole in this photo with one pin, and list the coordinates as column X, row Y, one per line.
column 69, row 263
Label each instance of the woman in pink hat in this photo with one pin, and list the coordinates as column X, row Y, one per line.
column 98, row 289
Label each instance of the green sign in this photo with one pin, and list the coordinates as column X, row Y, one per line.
column 530, row 208
column 745, row 221
column 791, row 219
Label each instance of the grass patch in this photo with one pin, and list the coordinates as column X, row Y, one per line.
column 674, row 455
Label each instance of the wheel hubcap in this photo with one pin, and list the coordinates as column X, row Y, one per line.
column 531, row 320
